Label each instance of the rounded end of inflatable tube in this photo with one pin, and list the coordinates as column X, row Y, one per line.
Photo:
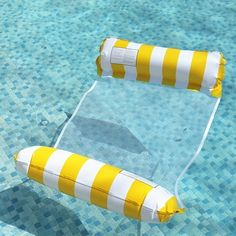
column 217, row 90
column 171, row 208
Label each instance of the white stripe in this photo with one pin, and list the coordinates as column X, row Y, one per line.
column 135, row 46
column 118, row 192
column 106, row 56
column 162, row 196
column 149, row 206
column 156, row 62
column 24, row 158
column 131, row 71
column 183, row 68
column 53, row 168
column 211, row 71
column 85, row 178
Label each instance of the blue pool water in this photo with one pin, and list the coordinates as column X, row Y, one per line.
column 47, row 54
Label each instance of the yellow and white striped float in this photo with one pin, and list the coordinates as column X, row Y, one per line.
column 98, row 183
column 196, row 70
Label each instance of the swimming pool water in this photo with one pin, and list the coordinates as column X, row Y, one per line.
column 47, row 54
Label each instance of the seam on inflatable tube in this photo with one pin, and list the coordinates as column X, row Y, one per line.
column 197, row 152
column 76, row 110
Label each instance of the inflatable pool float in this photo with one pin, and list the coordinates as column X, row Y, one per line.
column 145, row 132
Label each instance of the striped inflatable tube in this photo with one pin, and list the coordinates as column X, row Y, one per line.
column 196, row 70
column 98, row 183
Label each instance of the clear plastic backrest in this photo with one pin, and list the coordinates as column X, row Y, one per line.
column 152, row 131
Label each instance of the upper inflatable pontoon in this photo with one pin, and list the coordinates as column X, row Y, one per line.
column 196, row 70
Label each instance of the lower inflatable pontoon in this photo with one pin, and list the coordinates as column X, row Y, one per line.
column 98, row 183
column 147, row 134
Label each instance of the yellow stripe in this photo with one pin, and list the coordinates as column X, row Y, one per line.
column 121, row 43
column 118, row 70
column 38, row 162
column 143, row 62
column 135, row 198
column 70, row 172
column 169, row 66
column 102, row 185
column 197, row 70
